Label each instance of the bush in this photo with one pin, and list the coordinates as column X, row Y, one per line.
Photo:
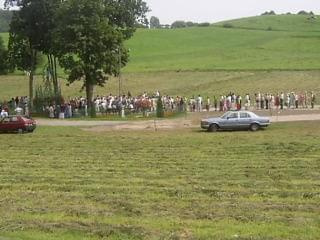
column 302, row 12
column 204, row 24
column 160, row 112
column 178, row 24
column 269, row 13
column 45, row 97
column 227, row 25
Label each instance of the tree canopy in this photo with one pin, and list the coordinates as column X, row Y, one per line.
column 89, row 38
column 86, row 35
column 154, row 22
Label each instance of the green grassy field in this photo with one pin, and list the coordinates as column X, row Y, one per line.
column 181, row 184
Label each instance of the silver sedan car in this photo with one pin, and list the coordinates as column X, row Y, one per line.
column 235, row 120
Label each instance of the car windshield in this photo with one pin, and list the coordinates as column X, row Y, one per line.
column 224, row 116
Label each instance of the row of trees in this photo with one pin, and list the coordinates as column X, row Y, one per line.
column 86, row 38
column 302, row 12
column 155, row 23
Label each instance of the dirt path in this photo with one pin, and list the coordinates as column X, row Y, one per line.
column 191, row 121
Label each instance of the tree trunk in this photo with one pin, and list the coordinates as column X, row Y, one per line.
column 89, row 92
column 31, row 83
column 31, row 78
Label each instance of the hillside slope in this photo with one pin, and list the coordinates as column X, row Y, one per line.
column 292, row 44
column 223, row 49
column 293, row 23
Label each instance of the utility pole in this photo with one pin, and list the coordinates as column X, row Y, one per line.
column 119, row 72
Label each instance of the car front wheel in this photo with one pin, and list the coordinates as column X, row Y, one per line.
column 213, row 128
column 254, row 127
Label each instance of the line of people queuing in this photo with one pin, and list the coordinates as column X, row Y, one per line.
column 113, row 104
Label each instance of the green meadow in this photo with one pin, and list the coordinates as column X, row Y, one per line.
column 183, row 184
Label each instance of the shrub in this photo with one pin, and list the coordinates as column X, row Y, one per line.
column 302, row 12
column 204, row 24
column 160, row 112
column 227, row 25
column 269, row 13
column 178, row 24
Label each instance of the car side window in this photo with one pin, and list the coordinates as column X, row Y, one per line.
column 233, row 115
column 6, row 120
column 14, row 119
column 244, row 115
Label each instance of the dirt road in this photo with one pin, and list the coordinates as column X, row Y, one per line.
column 191, row 121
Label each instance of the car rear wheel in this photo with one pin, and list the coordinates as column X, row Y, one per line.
column 213, row 128
column 254, row 127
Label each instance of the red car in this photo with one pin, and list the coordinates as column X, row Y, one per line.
column 18, row 124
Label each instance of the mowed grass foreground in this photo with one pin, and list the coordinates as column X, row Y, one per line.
column 182, row 184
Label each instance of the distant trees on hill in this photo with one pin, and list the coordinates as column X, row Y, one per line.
column 183, row 24
column 268, row 13
column 303, row 12
column 154, row 22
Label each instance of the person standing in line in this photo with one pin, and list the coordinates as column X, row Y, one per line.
column 51, row 112
column 277, row 101
column 215, row 103
column 296, row 99
column 281, row 100
column 221, row 104
column 199, row 101
column 262, row 101
column 208, row 104
column 313, row 100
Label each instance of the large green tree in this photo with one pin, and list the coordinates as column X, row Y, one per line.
column 90, row 37
column 154, row 22
column 31, row 33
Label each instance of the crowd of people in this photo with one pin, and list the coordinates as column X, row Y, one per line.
column 113, row 104
column 17, row 105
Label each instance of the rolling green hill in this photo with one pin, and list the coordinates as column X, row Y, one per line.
column 216, row 59
column 246, row 46
column 291, row 43
column 293, row 23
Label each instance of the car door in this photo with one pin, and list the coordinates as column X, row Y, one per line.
column 5, row 124
column 15, row 123
column 244, row 120
column 232, row 121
